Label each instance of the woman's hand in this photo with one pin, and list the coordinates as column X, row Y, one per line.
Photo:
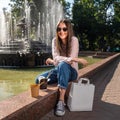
column 49, row 61
column 80, row 60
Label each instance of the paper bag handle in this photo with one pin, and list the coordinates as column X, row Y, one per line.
column 83, row 79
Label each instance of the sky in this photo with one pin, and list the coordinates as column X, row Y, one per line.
column 71, row 1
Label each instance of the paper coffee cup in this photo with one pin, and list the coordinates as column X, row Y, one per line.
column 34, row 90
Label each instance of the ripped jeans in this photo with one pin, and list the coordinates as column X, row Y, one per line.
column 61, row 74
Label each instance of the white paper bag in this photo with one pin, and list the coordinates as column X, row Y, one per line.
column 81, row 96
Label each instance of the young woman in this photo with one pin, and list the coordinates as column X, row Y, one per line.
column 65, row 48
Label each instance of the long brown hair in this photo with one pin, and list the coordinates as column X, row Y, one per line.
column 69, row 37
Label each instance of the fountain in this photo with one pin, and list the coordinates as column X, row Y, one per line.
column 3, row 29
column 36, row 29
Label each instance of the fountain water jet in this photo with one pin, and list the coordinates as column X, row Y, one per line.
column 3, row 29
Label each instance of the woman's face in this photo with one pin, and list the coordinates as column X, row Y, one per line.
column 62, row 32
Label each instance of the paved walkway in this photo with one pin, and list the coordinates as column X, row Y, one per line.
column 106, row 101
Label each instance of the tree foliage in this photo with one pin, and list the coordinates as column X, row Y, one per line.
column 94, row 24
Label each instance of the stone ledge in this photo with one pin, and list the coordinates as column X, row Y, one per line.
column 96, row 67
column 96, row 54
column 24, row 107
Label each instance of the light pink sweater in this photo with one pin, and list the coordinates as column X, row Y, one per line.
column 74, row 53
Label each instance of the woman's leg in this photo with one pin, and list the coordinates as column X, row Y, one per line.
column 62, row 94
column 65, row 74
column 52, row 77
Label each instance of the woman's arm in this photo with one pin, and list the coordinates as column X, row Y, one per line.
column 80, row 60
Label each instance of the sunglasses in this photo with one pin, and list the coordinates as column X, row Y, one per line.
column 64, row 29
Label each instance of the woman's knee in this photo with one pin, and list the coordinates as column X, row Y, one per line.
column 63, row 65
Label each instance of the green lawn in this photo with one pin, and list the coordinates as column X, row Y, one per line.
column 20, row 74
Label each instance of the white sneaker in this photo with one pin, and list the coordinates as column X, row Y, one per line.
column 60, row 110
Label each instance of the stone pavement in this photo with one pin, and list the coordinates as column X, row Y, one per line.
column 106, row 104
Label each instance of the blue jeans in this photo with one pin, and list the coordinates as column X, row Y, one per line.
column 61, row 74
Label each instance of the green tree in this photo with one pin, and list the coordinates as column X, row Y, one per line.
column 92, row 23
column 17, row 7
column 84, row 22
column 116, row 23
